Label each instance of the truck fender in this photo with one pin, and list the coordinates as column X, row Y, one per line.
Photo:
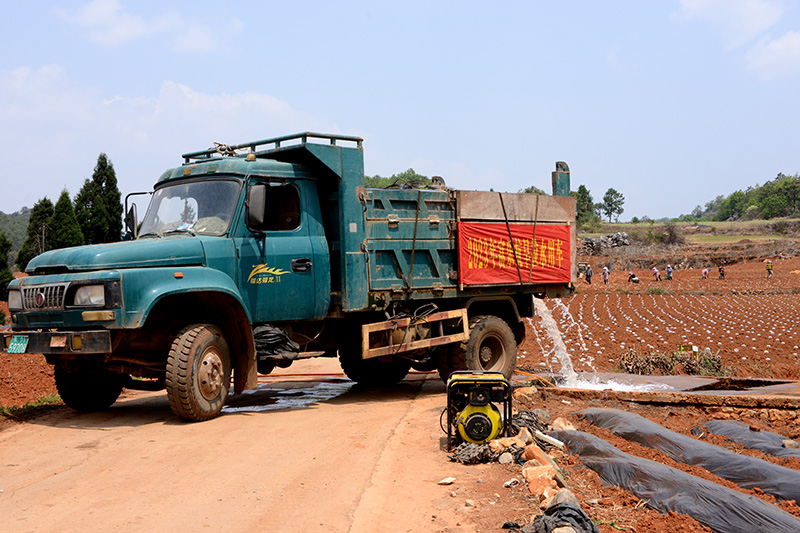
column 199, row 288
column 500, row 306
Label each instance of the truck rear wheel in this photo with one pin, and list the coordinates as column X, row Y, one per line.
column 491, row 346
column 88, row 389
column 198, row 372
column 374, row 372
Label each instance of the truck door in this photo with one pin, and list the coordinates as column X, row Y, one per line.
column 276, row 261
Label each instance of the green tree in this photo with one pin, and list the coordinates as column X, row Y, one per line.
column 612, row 203
column 774, row 206
column 98, row 205
column 791, row 190
column 15, row 226
column 584, row 205
column 532, row 190
column 5, row 273
column 732, row 207
column 65, row 229
column 407, row 179
column 39, row 230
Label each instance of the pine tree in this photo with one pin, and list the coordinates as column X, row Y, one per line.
column 584, row 205
column 39, row 229
column 98, row 205
column 5, row 274
column 65, row 229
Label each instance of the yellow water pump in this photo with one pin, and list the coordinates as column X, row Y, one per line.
column 473, row 414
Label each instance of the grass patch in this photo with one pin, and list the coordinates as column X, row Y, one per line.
column 656, row 290
column 659, row 363
column 624, row 291
column 728, row 239
column 31, row 408
column 612, row 523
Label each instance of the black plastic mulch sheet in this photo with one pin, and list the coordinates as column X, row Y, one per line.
column 563, row 515
column 667, row 489
column 764, row 441
column 747, row 472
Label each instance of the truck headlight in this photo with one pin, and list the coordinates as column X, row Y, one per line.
column 14, row 301
column 90, row 295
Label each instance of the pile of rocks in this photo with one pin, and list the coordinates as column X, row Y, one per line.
column 536, row 468
column 594, row 246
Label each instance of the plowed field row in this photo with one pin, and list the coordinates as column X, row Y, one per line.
column 756, row 334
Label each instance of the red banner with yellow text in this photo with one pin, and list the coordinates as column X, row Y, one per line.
column 486, row 254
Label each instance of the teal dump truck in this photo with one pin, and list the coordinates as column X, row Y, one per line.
column 260, row 254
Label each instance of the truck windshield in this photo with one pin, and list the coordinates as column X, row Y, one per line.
column 204, row 207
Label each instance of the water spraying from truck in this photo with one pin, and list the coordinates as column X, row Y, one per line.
column 569, row 378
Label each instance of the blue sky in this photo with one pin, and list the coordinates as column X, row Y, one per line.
column 671, row 103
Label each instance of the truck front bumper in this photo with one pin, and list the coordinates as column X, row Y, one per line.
column 58, row 342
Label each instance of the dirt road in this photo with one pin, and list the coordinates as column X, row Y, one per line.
column 273, row 462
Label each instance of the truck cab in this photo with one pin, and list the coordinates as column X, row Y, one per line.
column 260, row 254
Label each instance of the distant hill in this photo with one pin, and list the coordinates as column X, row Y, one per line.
column 779, row 197
column 15, row 226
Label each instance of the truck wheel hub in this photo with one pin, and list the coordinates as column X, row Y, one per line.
column 210, row 374
column 489, row 352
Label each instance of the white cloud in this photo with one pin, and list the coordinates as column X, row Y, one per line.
column 200, row 38
column 109, row 23
column 56, row 128
column 195, row 39
column 775, row 59
column 41, row 100
column 740, row 21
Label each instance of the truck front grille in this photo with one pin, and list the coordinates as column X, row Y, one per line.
column 43, row 297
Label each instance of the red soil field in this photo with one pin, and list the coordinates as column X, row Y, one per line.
column 751, row 321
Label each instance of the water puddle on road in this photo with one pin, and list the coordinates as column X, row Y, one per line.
column 267, row 397
column 569, row 377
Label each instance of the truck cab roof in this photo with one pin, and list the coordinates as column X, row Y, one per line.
column 299, row 155
column 236, row 166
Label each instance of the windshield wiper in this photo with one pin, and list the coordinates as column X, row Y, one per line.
column 179, row 230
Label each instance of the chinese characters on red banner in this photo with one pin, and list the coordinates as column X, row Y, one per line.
column 486, row 254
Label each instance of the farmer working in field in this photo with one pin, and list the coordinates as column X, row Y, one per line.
column 656, row 274
column 669, row 272
column 769, row 268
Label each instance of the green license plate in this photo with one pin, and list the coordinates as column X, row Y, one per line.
column 18, row 344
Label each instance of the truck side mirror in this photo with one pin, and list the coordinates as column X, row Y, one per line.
column 256, row 205
column 131, row 222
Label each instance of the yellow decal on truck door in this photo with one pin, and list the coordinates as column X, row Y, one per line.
column 265, row 274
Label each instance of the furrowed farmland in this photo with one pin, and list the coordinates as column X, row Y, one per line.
column 747, row 319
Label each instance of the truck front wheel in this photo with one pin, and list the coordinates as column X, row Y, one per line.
column 88, row 389
column 491, row 346
column 198, row 372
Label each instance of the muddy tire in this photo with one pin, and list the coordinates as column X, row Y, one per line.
column 425, row 366
column 491, row 346
column 374, row 372
column 452, row 359
column 198, row 372
column 88, row 389
column 266, row 367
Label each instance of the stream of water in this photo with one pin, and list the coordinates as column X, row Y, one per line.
column 559, row 352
